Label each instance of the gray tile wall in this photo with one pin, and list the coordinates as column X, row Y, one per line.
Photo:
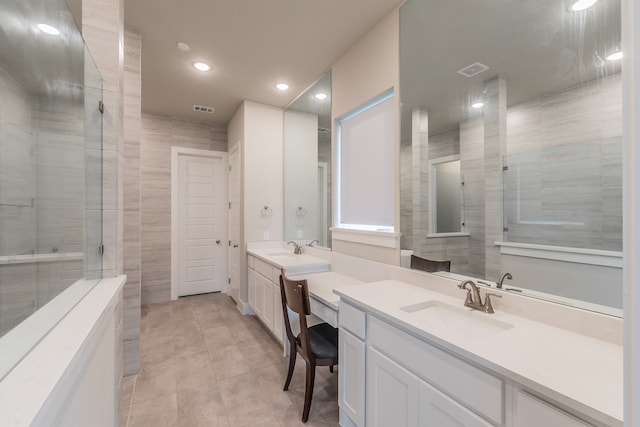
column 159, row 134
column 132, row 262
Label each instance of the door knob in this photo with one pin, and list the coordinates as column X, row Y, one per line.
column 235, row 245
column 217, row 242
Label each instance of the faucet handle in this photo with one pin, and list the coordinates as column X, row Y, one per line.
column 488, row 308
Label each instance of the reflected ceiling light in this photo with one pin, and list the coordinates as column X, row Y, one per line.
column 201, row 66
column 615, row 56
column 582, row 4
column 48, row 29
column 183, row 46
column 282, row 86
column 478, row 104
column 321, row 96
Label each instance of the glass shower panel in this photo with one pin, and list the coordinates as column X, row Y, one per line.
column 50, row 170
column 569, row 195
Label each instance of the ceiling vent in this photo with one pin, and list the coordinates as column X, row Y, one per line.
column 203, row 109
column 473, row 69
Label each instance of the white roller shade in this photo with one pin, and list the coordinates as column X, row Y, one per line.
column 366, row 139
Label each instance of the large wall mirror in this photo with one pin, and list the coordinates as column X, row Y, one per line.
column 528, row 96
column 307, row 166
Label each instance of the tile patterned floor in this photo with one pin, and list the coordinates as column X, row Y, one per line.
column 205, row 364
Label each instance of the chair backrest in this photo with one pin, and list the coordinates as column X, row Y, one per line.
column 295, row 296
column 430, row 266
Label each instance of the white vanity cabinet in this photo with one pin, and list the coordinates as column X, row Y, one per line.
column 409, row 381
column 264, row 294
column 351, row 357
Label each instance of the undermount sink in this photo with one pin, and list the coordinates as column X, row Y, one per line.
column 460, row 321
column 280, row 254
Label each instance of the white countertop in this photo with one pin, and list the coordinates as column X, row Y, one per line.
column 321, row 286
column 292, row 263
column 579, row 371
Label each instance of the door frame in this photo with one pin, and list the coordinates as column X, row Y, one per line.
column 176, row 152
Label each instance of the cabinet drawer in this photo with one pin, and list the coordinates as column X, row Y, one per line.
column 325, row 313
column 352, row 319
column 263, row 268
column 530, row 411
column 474, row 388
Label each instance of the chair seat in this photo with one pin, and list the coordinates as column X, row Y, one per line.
column 323, row 340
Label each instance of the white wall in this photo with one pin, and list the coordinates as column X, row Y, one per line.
column 301, row 166
column 258, row 128
column 367, row 69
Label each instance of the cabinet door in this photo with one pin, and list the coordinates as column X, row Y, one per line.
column 278, row 319
column 352, row 376
column 392, row 393
column 251, row 279
column 530, row 411
column 439, row 410
column 260, row 286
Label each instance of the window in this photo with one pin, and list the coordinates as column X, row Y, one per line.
column 446, row 196
column 365, row 147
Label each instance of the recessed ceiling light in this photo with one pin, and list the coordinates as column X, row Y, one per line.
column 321, row 96
column 48, row 29
column 282, row 86
column 582, row 4
column 478, row 104
column 183, row 46
column 615, row 56
column 201, row 66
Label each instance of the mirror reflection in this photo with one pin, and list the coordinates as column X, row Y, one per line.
column 307, row 166
column 530, row 101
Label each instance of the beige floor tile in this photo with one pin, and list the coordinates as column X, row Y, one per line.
column 154, row 381
column 228, row 362
column 205, row 364
column 157, row 412
column 217, row 337
column 204, row 401
column 243, row 401
column 193, row 370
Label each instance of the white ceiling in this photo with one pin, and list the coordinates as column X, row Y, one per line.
column 250, row 44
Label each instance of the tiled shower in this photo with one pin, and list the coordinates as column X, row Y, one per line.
column 50, row 160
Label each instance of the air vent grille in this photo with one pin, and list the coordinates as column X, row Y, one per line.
column 203, row 109
column 473, row 69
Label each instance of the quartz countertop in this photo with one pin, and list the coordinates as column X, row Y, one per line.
column 321, row 286
column 284, row 257
column 575, row 370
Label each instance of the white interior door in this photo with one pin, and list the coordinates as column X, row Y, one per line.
column 201, row 223
column 234, row 223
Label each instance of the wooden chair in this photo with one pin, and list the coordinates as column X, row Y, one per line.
column 423, row 264
column 318, row 345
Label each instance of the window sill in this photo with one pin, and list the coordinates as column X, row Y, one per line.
column 439, row 235
column 387, row 239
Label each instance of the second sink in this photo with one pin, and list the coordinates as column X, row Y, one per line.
column 455, row 320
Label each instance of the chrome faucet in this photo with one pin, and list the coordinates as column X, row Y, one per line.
column 504, row 276
column 474, row 300
column 297, row 249
column 312, row 242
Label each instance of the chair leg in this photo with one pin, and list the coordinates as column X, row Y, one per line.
column 308, row 394
column 292, row 364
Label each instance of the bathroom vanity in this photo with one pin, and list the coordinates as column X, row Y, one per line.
column 412, row 357
column 411, row 354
